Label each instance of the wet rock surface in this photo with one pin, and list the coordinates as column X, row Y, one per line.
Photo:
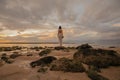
column 67, row 65
column 15, row 55
column 43, row 61
column 59, row 48
column 98, row 57
column 44, row 52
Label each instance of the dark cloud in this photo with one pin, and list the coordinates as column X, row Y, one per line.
column 100, row 16
column 36, row 12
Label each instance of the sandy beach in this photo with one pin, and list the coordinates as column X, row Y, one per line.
column 21, row 70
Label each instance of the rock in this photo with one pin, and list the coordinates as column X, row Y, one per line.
column 45, row 52
column 60, row 48
column 71, row 47
column 36, row 48
column 42, row 70
column 7, row 49
column 4, row 54
column 78, row 55
column 94, row 68
column 67, row 65
column 102, row 61
column 16, row 48
column 94, row 52
column 15, row 55
column 10, row 61
column 29, row 54
column 6, row 59
column 43, row 61
column 84, row 46
column 97, row 57
column 94, row 76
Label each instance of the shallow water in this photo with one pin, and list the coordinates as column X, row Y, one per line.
column 42, row 45
column 54, row 44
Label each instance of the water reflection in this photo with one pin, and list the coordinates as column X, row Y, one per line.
column 33, row 45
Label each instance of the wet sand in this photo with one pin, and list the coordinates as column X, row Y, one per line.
column 21, row 70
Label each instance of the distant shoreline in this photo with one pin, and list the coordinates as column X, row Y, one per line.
column 52, row 44
column 33, row 43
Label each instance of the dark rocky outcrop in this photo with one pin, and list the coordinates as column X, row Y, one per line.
column 6, row 59
column 42, row 70
column 84, row 46
column 98, row 57
column 59, row 48
column 67, row 65
column 43, row 61
column 15, row 55
column 102, row 61
column 10, row 48
column 7, row 49
column 71, row 47
column 95, row 76
column 44, row 52
column 36, row 48
column 16, row 48
column 29, row 54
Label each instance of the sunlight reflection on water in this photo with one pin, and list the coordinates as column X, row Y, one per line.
column 33, row 45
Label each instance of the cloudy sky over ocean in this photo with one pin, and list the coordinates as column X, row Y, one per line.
column 38, row 20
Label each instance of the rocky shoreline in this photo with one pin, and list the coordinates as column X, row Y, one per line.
column 60, row 63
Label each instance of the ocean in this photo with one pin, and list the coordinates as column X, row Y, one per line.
column 55, row 44
column 38, row 45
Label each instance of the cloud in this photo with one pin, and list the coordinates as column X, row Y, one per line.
column 25, row 13
column 83, row 19
column 116, row 25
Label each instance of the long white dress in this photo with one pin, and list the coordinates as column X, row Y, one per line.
column 60, row 37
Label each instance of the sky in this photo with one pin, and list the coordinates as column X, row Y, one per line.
column 91, row 21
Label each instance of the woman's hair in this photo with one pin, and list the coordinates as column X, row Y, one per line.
column 60, row 27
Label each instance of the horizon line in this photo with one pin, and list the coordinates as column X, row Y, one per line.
column 34, row 43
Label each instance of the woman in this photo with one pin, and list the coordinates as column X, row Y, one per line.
column 60, row 35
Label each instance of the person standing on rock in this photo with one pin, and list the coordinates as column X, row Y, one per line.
column 60, row 35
